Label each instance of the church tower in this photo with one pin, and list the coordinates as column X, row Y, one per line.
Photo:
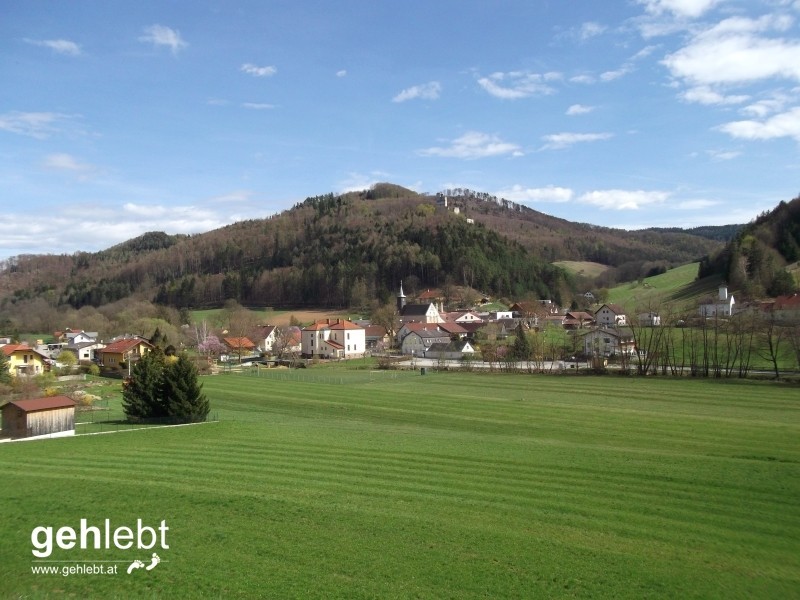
column 401, row 298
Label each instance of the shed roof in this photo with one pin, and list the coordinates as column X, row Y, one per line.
column 35, row 404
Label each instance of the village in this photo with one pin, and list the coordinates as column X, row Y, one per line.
column 421, row 329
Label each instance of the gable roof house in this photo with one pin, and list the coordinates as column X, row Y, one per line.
column 333, row 338
column 417, row 342
column 787, row 308
column 24, row 360
column 610, row 315
column 420, row 313
column 576, row 319
column 266, row 338
column 462, row 316
column 85, row 350
column 608, row 342
column 120, row 350
column 449, row 351
column 53, row 417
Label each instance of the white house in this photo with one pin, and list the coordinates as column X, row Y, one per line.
column 420, row 313
column 610, row 315
column 333, row 338
column 608, row 342
column 266, row 338
column 721, row 307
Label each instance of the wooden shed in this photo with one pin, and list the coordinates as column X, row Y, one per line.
column 54, row 417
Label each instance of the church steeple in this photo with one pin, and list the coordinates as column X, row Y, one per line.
column 401, row 298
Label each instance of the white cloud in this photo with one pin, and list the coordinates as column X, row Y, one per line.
column 732, row 53
column 517, row 193
column 39, row 125
column 767, row 106
column 557, row 141
column 579, row 109
column 357, row 182
column 680, row 8
column 584, row 79
column 720, row 155
column 160, row 35
column 474, row 144
column 591, row 29
column 623, row 199
column 698, row 204
column 67, row 162
column 426, row 91
column 612, row 75
column 704, row 94
column 233, row 197
column 786, row 124
column 257, row 71
column 341, row 73
column 60, row 46
column 258, row 105
column 518, row 84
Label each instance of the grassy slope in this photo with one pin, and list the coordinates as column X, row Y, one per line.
column 677, row 286
column 585, row 268
column 446, row 485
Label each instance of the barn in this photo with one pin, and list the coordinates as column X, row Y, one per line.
column 52, row 417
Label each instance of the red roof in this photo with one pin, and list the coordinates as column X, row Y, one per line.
column 50, row 403
column 787, row 302
column 335, row 345
column 238, row 342
column 9, row 349
column 124, row 345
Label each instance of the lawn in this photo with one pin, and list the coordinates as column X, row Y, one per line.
column 448, row 485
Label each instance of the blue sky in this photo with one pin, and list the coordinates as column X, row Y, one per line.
column 118, row 118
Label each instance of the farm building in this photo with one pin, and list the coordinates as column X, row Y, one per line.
column 54, row 417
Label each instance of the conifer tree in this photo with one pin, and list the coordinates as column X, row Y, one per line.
column 5, row 373
column 182, row 394
column 141, row 395
column 521, row 350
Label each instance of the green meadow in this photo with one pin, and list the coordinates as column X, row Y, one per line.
column 328, row 483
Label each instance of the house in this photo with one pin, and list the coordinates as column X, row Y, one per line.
column 239, row 346
column 721, row 307
column 376, row 336
column 24, row 360
column 649, row 319
column 430, row 296
column 85, row 351
column 80, row 337
column 417, row 342
column 449, row 351
column 420, row 313
column 610, row 315
column 126, row 348
column 53, row 417
column 462, row 316
column 333, row 338
column 454, row 330
column 577, row 319
column 608, row 342
column 266, row 338
column 416, row 326
column 787, row 308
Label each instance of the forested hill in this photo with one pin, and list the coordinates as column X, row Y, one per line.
column 344, row 251
column 762, row 258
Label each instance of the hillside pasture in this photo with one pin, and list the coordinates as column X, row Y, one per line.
column 678, row 286
column 583, row 268
column 447, row 485
column 268, row 316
